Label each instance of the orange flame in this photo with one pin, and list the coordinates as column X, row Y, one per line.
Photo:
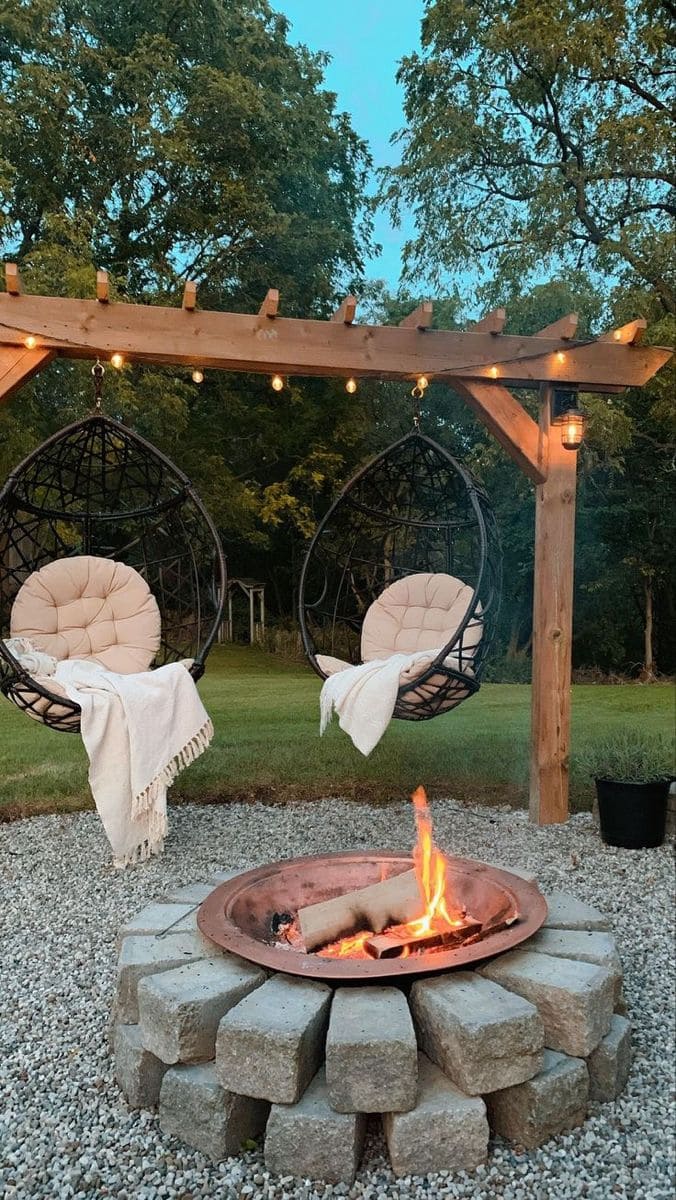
column 431, row 873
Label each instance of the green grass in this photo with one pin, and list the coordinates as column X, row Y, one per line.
column 267, row 743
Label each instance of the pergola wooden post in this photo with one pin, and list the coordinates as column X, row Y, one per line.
column 481, row 364
column 552, row 626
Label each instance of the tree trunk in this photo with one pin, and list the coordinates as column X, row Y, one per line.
column 648, row 671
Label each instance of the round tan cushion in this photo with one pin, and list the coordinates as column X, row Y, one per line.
column 418, row 612
column 88, row 607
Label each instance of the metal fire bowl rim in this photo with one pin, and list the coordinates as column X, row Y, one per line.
column 215, row 922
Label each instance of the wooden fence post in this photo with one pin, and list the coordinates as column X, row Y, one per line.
column 552, row 626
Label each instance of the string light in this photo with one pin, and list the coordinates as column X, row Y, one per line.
column 197, row 375
column 560, row 356
column 617, row 335
column 117, row 360
column 277, row 383
column 423, row 382
column 30, row 342
column 493, row 372
column 351, row 386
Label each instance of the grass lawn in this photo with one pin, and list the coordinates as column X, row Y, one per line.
column 267, row 744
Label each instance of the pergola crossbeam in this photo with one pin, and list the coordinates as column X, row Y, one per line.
column 492, row 322
column 420, row 318
column 626, row 335
column 189, row 295
column 270, row 305
column 565, row 328
column 289, row 346
column 12, row 279
column 347, row 311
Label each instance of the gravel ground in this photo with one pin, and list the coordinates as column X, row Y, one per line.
column 64, row 1129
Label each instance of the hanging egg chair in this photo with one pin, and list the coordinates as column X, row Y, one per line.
column 104, row 544
column 406, row 560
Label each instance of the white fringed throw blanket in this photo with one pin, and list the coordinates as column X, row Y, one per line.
column 139, row 732
column 364, row 696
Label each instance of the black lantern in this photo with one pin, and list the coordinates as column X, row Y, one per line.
column 568, row 417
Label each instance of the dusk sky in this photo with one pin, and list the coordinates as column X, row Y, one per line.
column 366, row 40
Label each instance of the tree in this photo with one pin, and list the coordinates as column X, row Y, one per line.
column 539, row 139
column 196, row 141
column 180, row 139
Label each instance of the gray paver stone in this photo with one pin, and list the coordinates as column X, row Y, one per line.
column 271, row 1044
column 574, row 999
column 309, row 1139
column 179, row 1010
column 565, row 912
column 195, row 1108
column 157, row 917
column 610, row 1063
column 138, row 1072
column 143, row 955
column 371, row 1051
column 585, row 945
column 482, row 1036
column 446, row 1131
column 551, row 1102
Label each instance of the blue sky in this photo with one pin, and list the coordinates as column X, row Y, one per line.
column 366, row 39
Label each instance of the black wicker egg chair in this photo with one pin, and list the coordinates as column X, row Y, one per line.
column 413, row 510
column 97, row 488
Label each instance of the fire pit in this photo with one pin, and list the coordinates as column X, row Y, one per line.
column 445, row 994
column 243, row 915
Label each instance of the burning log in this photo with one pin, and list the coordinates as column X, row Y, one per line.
column 396, row 942
column 390, row 902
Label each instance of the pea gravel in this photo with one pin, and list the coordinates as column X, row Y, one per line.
column 64, row 1128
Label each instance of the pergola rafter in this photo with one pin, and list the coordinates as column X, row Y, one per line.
column 481, row 364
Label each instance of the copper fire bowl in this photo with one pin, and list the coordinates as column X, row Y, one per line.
column 237, row 915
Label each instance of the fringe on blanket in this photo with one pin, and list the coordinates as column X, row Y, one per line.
column 150, row 804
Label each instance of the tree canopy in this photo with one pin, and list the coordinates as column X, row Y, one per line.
column 539, row 137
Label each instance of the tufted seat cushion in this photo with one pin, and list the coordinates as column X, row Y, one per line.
column 419, row 612
column 87, row 607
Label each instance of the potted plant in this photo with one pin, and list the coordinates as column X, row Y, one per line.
column 632, row 772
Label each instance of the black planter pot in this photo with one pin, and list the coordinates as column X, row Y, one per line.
column 632, row 815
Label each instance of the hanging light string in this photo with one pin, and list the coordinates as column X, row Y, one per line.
column 418, row 393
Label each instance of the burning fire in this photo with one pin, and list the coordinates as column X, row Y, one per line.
column 440, row 915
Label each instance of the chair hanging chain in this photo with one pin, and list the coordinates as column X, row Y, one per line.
column 98, row 371
column 418, row 393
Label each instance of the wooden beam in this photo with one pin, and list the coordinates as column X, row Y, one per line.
column 18, row 365
column 189, row 295
column 420, row 319
column 552, row 627
column 102, row 287
column 509, row 423
column 565, row 328
column 285, row 346
column 626, row 335
column 270, row 305
column 493, row 322
column 347, row 311
column 12, row 279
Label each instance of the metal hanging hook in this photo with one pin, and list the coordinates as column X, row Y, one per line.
column 418, row 393
column 98, row 371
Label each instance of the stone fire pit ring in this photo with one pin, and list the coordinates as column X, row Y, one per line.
column 230, row 1052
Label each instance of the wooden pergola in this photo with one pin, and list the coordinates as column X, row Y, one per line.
column 481, row 364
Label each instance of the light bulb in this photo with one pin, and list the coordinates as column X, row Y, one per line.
column 617, row 335
column 277, row 383
column 351, row 386
column 117, row 361
column 30, row 342
column 493, row 372
column 197, row 375
column 423, row 382
column 560, row 356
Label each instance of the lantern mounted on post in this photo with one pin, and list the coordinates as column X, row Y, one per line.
column 568, row 417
